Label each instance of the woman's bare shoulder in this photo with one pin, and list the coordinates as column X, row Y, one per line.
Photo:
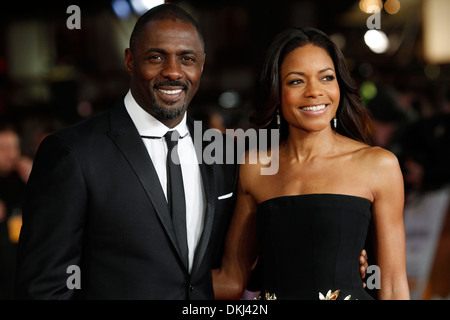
column 377, row 157
column 372, row 155
column 255, row 165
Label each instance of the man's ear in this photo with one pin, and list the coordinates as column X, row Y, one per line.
column 129, row 60
column 203, row 63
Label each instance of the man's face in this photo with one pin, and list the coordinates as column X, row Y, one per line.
column 165, row 65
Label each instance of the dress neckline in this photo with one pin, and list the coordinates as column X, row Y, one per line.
column 315, row 195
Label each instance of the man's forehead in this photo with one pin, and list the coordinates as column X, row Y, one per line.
column 170, row 36
column 171, row 30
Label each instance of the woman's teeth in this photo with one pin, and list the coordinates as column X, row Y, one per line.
column 314, row 108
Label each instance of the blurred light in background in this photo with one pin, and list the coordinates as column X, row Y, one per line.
column 432, row 71
column 339, row 40
column 376, row 40
column 229, row 99
column 141, row 6
column 436, row 26
column 85, row 109
column 365, row 69
column 366, row 5
column 368, row 90
column 392, row 6
column 121, row 8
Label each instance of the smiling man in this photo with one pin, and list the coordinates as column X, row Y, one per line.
column 165, row 67
column 100, row 196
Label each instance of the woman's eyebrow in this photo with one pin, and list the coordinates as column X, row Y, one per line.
column 300, row 73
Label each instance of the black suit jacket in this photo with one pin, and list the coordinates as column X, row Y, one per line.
column 94, row 200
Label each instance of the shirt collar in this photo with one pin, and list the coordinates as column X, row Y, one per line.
column 146, row 124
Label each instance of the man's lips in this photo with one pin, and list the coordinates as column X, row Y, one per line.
column 170, row 90
column 170, row 93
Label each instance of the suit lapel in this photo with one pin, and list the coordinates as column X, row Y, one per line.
column 126, row 137
column 207, row 173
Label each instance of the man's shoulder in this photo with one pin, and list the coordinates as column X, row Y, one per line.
column 88, row 132
column 98, row 123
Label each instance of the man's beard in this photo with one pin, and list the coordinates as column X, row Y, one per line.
column 169, row 113
column 164, row 113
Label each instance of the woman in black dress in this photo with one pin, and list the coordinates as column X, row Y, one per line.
column 307, row 224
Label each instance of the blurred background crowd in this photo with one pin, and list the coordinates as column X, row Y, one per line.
column 52, row 76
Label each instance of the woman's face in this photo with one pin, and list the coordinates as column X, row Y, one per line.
column 309, row 88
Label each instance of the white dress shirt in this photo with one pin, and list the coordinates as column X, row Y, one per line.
column 147, row 125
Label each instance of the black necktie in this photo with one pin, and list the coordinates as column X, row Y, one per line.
column 175, row 192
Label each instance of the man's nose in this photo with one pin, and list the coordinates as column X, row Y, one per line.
column 172, row 69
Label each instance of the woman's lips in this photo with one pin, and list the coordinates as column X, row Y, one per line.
column 314, row 109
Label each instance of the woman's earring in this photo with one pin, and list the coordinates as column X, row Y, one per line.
column 335, row 123
column 278, row 118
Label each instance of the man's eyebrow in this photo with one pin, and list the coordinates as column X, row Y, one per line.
column 162, row 51
column 158, row 50
column 187, row 51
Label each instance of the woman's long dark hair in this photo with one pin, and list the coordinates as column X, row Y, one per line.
column 353, row 118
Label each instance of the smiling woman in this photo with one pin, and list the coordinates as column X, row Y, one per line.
column 310, row 93
column 352, row 117
column 305, row 226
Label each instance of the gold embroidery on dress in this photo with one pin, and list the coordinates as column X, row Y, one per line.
column 267, row 296
column 332, row 295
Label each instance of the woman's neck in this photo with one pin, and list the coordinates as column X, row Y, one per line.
column 302, row 145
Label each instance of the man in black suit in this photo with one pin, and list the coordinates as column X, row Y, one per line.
column 97, row 198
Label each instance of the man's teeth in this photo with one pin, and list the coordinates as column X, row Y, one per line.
column 171, row 91
column 314, row 108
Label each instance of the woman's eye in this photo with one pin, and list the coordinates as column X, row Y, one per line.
column 295, row 81
column 329, row 78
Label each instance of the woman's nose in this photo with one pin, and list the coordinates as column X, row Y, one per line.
column 313, row 90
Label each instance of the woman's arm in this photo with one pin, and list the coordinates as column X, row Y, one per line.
column 389, row 235
column 240, row 251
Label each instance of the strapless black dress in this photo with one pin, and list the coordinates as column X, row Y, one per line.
column 312, row 243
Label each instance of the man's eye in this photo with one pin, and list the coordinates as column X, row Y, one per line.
column 154, row 58
column 188, row 59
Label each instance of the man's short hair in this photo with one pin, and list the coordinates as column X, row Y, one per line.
column 164, row 12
